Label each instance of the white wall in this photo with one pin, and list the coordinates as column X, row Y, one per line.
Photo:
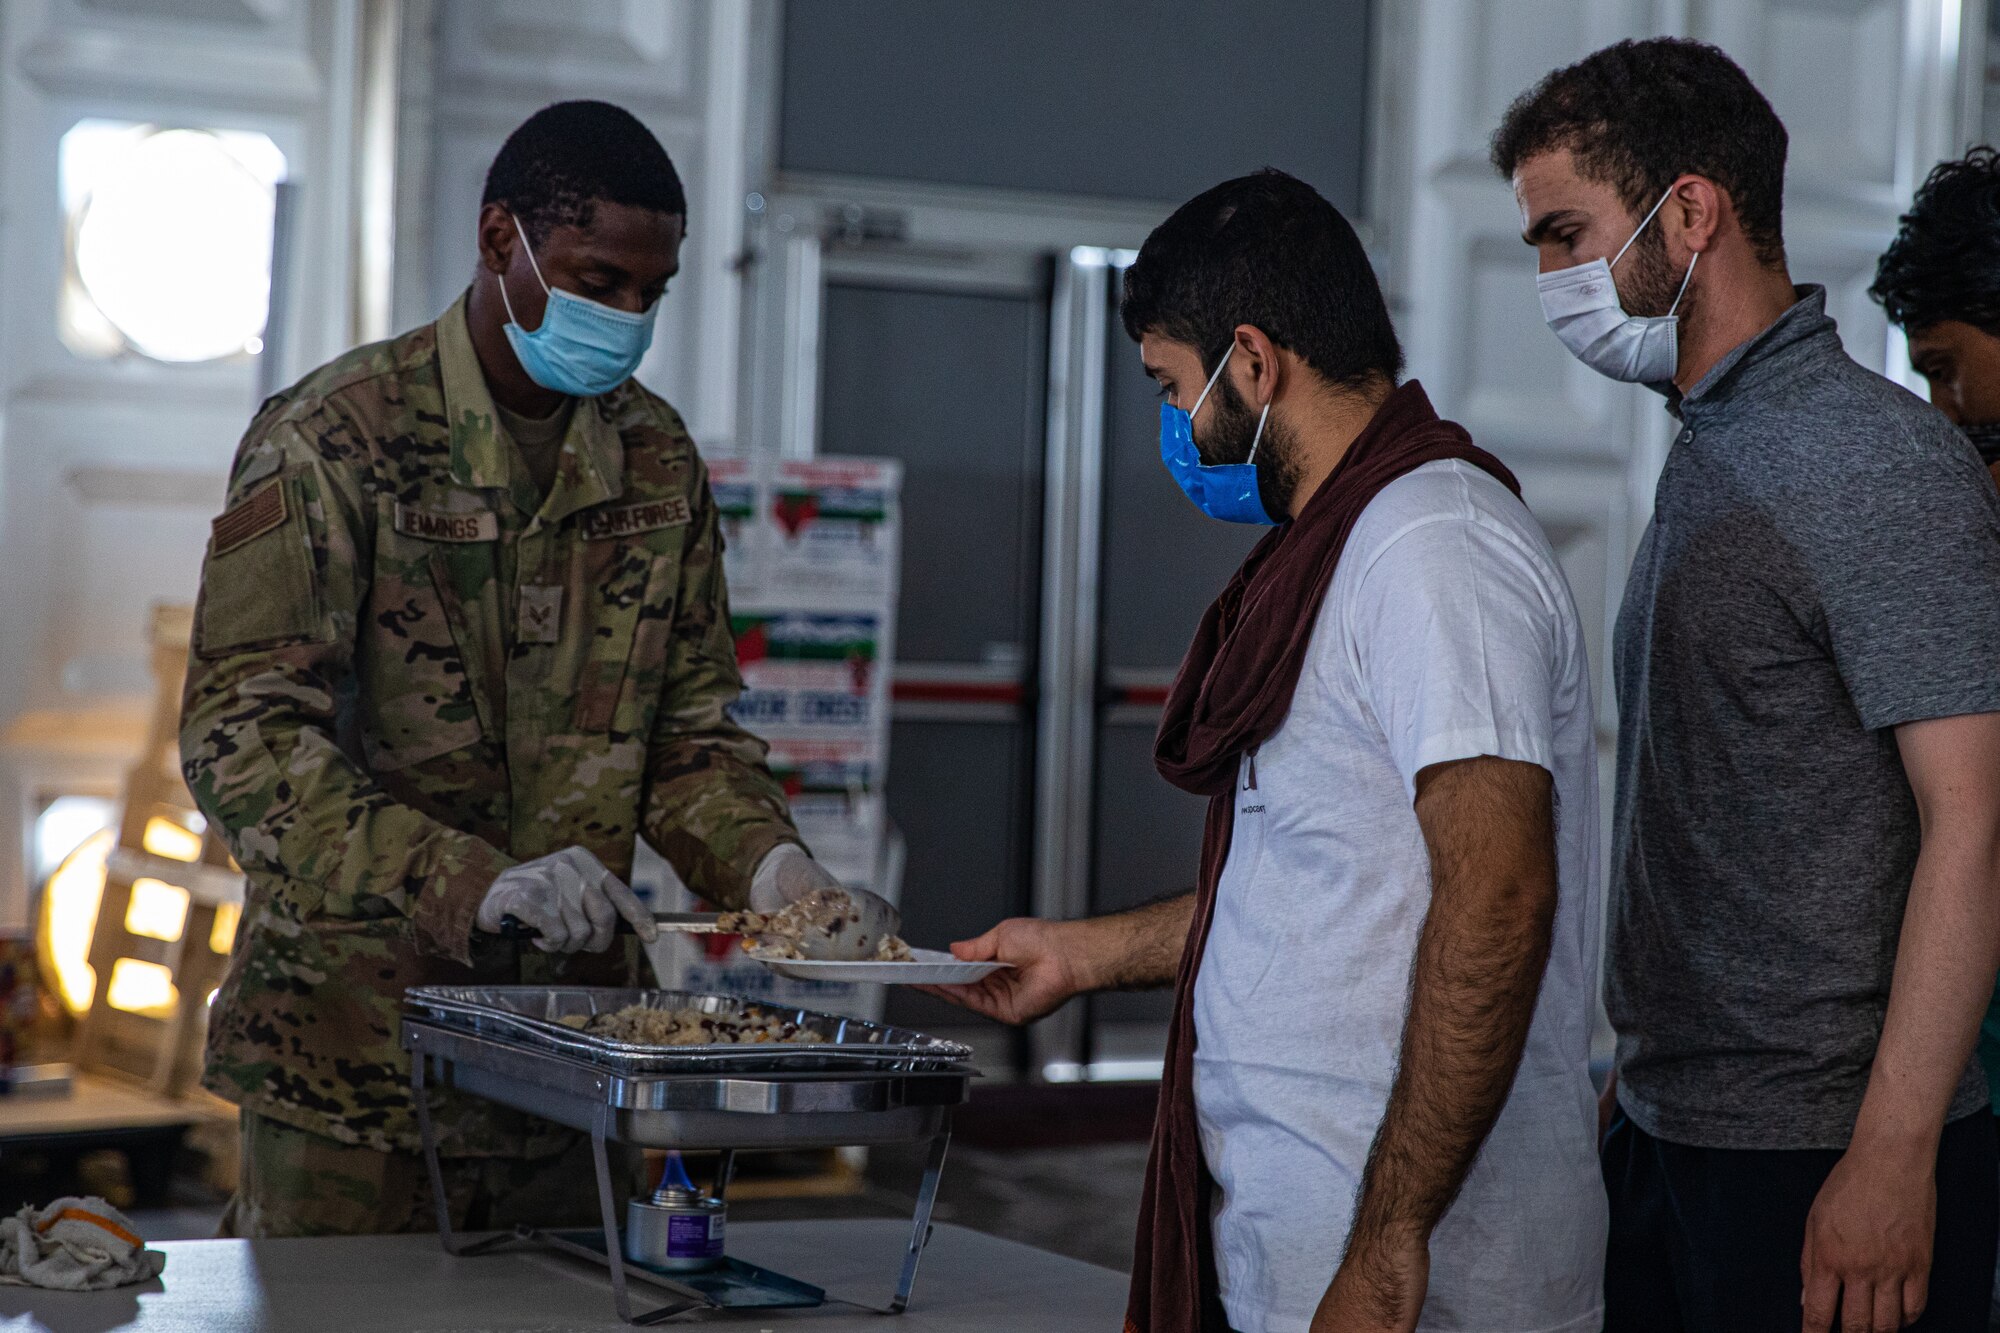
column 111, row 469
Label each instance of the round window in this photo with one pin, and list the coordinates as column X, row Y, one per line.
column 170, row 240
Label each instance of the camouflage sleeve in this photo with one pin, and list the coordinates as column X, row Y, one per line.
column 712, row 807
column 282, row 586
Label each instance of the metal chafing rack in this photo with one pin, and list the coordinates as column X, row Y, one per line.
column 861, row 1083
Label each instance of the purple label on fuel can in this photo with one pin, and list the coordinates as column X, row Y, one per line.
column 694, row 1236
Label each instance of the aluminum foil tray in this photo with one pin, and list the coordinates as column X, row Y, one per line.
column 530, row 1017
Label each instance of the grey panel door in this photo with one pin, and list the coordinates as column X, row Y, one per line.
column 954, row 380
column 950, row 380
column 1162, row 563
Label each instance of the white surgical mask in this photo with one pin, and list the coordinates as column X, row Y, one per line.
column 1581, row 304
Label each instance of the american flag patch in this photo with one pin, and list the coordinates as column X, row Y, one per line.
column 252, row 516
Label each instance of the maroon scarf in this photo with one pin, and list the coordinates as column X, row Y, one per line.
column 1233, row 690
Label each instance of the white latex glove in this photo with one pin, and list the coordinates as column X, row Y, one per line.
column 785, row 875
column 570, row 898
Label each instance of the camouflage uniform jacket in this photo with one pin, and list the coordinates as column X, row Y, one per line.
column 409, row 672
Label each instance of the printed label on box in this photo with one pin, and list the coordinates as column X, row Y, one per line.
column 734, row 483
column 807, row 674
column 833, row 526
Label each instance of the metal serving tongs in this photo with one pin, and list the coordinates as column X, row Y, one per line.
column 854, row 937
column 685, row 923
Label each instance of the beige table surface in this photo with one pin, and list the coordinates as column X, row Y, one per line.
column 96, row 1102
column 969, row 1283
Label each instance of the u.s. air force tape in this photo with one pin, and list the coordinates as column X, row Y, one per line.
column 671, row 512
column 434, row 525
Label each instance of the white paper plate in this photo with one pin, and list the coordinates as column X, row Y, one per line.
column 928, row 967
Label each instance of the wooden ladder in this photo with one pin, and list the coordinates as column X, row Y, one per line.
column 172, row 901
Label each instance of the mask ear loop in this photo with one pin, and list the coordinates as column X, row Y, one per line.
column 544, row 282
column 1258, row 438
column 1686, row 278
column 1684, row 284
column 537, row 268
column 1640, row 231
column 1211, row 382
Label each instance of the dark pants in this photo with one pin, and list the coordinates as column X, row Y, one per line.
column 1707, row 1240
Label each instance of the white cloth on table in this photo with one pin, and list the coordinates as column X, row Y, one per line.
column 74, row 1244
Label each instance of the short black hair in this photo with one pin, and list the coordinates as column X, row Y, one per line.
column 1638, row 114
column 1267, row 250
column 1945, row 260
column 570, row 156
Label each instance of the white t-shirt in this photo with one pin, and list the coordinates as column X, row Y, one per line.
column 1448, row 632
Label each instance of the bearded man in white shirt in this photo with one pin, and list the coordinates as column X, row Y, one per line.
column 1376, row 1111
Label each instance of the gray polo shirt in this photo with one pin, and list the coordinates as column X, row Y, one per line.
column 1823, row 564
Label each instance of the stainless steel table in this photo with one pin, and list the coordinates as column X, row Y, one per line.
column 375, row 1284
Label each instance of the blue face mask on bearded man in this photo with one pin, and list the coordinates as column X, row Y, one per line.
column 1226, row 491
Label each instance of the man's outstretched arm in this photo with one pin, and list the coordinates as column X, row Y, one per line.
column 1054, row 960
column 1490, row 829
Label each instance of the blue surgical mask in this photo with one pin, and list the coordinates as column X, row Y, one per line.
column 583, row 347
column 1227, row 491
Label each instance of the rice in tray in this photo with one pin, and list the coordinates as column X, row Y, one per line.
column 639, row 1025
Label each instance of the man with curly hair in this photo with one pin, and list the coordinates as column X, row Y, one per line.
column 1805, row 905
column 1389, row 709
column 1940, row 281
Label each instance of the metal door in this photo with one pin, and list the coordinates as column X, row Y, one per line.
column 947, row 376
column 1051, row 574
column 1134, row 565
column 937, row 358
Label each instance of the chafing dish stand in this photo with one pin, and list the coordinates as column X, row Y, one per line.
column 820, row 1100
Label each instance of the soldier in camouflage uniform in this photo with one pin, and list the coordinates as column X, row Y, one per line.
column 435, row 670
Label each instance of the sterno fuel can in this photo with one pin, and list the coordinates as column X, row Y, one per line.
column 678, row 1228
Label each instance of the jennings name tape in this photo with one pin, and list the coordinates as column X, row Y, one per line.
column 432, row 525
